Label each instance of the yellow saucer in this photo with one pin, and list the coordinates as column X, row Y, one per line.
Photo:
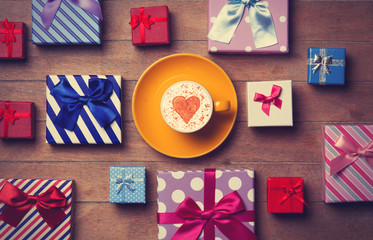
column 148, row 94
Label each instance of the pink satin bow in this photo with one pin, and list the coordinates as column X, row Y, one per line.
column 350, row 155
column 267, row 100
column 221, row 215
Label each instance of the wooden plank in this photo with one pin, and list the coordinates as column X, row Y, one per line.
column 310, row 103
column 92, row 178
column 139, row 222
column 123, row 59
column 308, row 20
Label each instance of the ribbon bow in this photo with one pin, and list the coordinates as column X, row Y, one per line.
column 267, row 100
column 222, row 216
column 144, row 20
column 51, row 7
column 291, row 191
column 322, row 62
column 18, row 203
column 127, row 181
column 350, row 154
column 100, row 91
column 9, row 36
column 10, row 115
column 230, row 15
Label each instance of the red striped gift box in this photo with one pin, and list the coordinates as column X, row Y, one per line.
column 33, row 226
column 354, row 181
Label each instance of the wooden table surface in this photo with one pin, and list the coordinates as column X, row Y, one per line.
column 273, row 151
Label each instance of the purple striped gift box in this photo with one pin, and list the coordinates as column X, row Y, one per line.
column 33, row 226
column 348, row 151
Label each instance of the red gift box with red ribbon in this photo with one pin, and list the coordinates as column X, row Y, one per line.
column 150, row 26
column 285, row 195
column 17, row 120
column 12, row 40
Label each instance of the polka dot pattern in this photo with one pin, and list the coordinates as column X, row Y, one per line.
column 162, row 232
column 247, row 19
column 283, row 49
column 161, row 207
column 213, row 49
column 282, row 19
column 265, row 3
column 122, row 193
column 248, row 49
column 178, row 174
column 191, row 184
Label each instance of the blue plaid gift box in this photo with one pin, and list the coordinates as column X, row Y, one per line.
column 127, row 184
column 326, row 66
column 66, row 22
column 83, row 109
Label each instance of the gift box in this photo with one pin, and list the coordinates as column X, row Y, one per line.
column 17, row 120
column 150, row 26
column 347, row 163
column 239, row 27
column 326, row 66
column 269, row 103
column 47, row 215
column 127, row 184
column 13, row 40
column 66, row 22
column 210, row 204
column 83, row 109
column 285, row 195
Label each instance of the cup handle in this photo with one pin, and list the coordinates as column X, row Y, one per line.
column 221, row 106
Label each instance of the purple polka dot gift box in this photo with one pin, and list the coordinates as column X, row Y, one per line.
column 248, row 26
column 206, row 204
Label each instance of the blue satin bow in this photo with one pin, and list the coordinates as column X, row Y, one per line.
column 126, row 181
column 100, row 91
column 230, row 16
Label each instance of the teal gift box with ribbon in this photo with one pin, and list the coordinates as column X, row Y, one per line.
column 326, row 66
column 66, row 22
column 83, row 109
column 127, row 184
column 248, row 26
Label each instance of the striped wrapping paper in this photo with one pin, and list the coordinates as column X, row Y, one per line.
column 355, row 182
column 87, row 129
column 32, row 225
column 71, row 25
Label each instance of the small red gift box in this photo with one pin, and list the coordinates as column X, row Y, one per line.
column 150, row 26
column 17, row 120
column 12, row 40
column 285, row 195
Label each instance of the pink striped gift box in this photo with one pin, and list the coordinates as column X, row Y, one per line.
column 347, row 163
column 32, row 225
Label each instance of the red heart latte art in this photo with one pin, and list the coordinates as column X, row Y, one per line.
column 186, row 107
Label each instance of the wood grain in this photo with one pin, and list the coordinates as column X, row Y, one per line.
column 270, row 151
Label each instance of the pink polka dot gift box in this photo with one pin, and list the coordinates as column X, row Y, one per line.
column 248, row 26
column 206, row 204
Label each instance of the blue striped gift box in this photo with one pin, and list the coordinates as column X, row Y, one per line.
column 71, row 25
column 87, row 129
column 32, row 225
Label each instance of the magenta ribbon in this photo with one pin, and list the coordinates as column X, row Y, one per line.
column 51, row 7
column 350, row 154
column 267, row 100
column 227, row 215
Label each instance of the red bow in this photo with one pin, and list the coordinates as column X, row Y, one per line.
column 144, row 20
column 350, row 154
column 266, row 100
column 18, row 203
column 227, row 215
column 10, row 115
column 9, row 36
column 291, row 191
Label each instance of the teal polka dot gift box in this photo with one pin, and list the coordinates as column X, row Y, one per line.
column 127, row 184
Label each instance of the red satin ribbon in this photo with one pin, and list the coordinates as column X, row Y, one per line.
column 227, row 215
column 10, row 115
column 144, row 20
column 291, row 191
column 9, row 36
column 266, row 100
column 18, row 203
column 350, row 154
